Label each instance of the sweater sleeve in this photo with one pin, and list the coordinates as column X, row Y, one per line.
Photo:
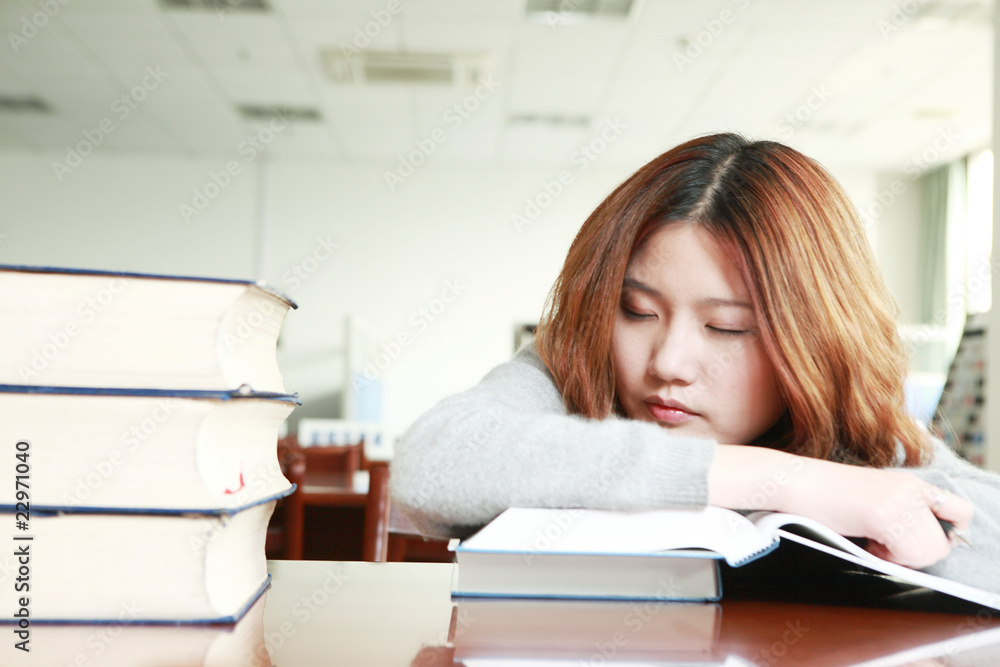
column 509, row 442
column 976, row 565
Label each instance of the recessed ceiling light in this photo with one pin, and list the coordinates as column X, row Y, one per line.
column 576, row 11
column 931, row 113
column 257, row 112
column 549, row 120
column 404, row 67
column 218, row 5
column 23, row 104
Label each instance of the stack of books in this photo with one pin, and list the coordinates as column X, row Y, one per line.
column 140, row 417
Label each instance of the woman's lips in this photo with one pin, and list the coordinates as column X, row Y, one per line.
column 669, row 412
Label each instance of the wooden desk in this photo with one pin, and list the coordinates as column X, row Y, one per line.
column 320, row 613
column 354, row 613
column 395, row 614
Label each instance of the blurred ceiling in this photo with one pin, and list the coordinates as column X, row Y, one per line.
column 871, row 83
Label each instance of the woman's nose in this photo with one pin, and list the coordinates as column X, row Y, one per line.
column 675, row 354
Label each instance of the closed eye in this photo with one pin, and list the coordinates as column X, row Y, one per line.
column 727, row 331
column 634, row 315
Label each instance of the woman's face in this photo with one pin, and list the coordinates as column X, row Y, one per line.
column 687, row 351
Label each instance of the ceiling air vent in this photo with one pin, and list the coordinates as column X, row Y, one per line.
column 253, row 113
column 23, row 104
column 413, row 68
column 945, row 13
column 578, row 9
column 218, row 5
column 549, row 121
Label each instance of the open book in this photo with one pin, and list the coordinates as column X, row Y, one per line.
column 659, row 554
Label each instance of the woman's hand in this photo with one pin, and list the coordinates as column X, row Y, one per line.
column 896, row 511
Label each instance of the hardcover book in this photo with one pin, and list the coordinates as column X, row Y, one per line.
column 102, row 448
column 80, row 328
column 164, row 568
column 655, row 555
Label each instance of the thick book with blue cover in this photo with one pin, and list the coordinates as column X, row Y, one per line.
column 108, row 567
column 81, row 328
column 132, row 450
column 142, row 645
column 656, row 555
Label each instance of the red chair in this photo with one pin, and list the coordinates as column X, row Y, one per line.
column 326, row 476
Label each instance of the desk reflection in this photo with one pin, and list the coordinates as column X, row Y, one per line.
column 583, row 633
column 320, row 613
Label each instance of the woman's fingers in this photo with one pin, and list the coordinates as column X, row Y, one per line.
column 912, row 533
column 953, row 509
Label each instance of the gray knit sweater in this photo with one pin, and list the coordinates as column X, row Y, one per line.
column 509, row 442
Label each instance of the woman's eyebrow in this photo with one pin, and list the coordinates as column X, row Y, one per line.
column 728, row 303
column 632, row 283
column 707, row 302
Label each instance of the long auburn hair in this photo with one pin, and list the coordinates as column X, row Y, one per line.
column 825, row 316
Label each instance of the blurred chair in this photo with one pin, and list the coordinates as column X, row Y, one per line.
column 341, row 476
column 375, row 541
column 329, row 476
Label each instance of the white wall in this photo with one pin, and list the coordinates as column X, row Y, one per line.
column 395, row 252
column 895, row 212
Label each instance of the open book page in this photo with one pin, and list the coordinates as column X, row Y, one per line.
column 576, row 531
column 817, row 536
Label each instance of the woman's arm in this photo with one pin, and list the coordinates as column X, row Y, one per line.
column 508, row 442
column 897, row 509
